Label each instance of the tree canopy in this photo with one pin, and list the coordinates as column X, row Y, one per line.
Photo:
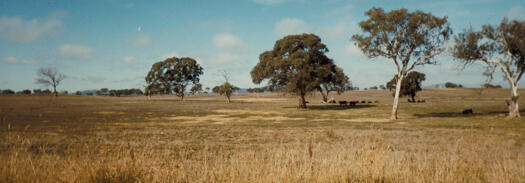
column 335, row 80
column 500, row 47
column 409, row 39
column 296, row 64
column 196, row 88
column 173, row 75
column 227, row 90
column 410, row 86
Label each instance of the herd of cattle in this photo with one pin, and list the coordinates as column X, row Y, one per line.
column 352, row 103
column 355, row 102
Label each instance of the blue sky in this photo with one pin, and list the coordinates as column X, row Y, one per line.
column 113, row 43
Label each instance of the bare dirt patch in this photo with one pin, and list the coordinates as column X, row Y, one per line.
column 224, row 117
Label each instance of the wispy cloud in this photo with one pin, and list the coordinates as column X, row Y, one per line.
column 353, row 50
column 341, row 10
column 168, row 55
column 129, row 59
column 340, row 30
column 21, row 30
column 140, row 40
column 289, row 26
column 269, row 2
column 227, row 42
column 14, row 60
column 223, row 58
column 76, row 52
column 275, row 2
column 516, row 13
column 94, row 79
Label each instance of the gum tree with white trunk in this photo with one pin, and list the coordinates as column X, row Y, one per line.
column 409, row 39
column 500, row 47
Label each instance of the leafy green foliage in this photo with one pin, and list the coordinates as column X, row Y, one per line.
column 493, row 43
column 227, row 90
column 335, row 80
column 215, row 89
column 410, row 85
column 196, row 88
column 173, row 75
column 297, row 64
column 403, row 36
column 407, row 38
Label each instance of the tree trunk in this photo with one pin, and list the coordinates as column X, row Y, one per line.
column 413, row 98
column 182, row 97
column 514, row 111
column 228, row 97
column 325, row 97
column 396, row 97
column 302, row 101
column 55, row 90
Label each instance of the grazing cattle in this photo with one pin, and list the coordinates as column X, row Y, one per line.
column 377, row 101
column 363, row 101
column 331, row 101
column 342, row 103
column 418, row 101
column 352, row 103
column 306, row 102
column 423, row 101
column 467, row 111
column 369, row 102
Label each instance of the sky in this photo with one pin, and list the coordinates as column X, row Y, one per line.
column 113, row 43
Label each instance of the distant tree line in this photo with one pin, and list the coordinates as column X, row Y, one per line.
column 258, row 89
column 26, row 92
column 487, row 85
column 453, row 85
column 114, row 93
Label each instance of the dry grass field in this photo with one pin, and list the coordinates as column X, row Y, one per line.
column 261, row 138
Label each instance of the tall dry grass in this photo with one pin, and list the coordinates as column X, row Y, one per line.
column 326, row 156
column 105, row 139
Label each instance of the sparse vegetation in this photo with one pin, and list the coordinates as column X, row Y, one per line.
column 454, row 134
column 264, row 139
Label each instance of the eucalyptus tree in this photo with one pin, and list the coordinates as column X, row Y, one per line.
column 408, row 39
column 227, row 90
column 335, row 80
column 196, row 89
column 173, row 75
column 410, row 86
column 500, row 47
column 296, row 64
